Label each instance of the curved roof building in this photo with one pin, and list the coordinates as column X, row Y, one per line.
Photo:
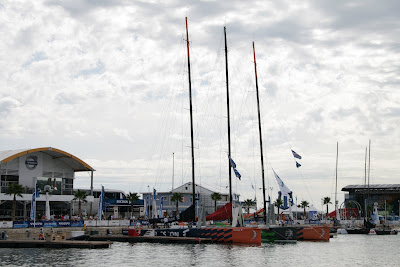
column 40, row 167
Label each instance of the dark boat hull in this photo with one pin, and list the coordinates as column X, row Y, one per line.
column 358, row 231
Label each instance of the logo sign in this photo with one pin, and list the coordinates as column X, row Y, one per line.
column 122, row 201
column 31, row 162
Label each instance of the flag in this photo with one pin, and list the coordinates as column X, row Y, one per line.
column 33, row 203
column 101, row 201
column 160, row 215
column 233, row 165
column 252, row 186
column 237, row 174
column 298, row 164
column 146, row 212
column 33, row 206
column 283, row 188
column 154, row 193
column 296, row 155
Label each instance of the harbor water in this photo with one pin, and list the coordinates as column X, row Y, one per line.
column 343, row 250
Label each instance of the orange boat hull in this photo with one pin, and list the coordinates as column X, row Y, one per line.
column 313, row 233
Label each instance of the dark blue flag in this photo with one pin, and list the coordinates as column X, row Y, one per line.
column 298, row 164
column 296, row 155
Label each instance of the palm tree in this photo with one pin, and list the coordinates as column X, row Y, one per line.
column 278, row 203
column 15, row 190
column 304, row 204
column 248, row 203
column 216, row 197
column 132, row 197
column 327, row 200
column 177, row 197
column 80, row 195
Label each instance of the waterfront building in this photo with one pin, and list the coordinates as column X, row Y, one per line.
column 41, row 167
column 384, row 194
column 169, row 207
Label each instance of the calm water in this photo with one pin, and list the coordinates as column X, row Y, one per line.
column 343, row 250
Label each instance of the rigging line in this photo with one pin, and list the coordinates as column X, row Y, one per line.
column 157, row 135
column 169, row 116
column 287, row 140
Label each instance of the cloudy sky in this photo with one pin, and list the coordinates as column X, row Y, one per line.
column 107, row 81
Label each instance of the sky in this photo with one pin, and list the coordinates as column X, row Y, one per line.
column 107, row 81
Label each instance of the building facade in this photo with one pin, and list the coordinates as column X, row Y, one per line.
column 360, row 196
column 169, row 206
column 46, row 167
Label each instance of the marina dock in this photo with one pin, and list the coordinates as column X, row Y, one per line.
column 53, row 244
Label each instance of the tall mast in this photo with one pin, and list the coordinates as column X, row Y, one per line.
column 369, row 166
column 229, row 125
column 191, row 123
column 259, row 130
column 365, row 184
column 173, row 169
column 337, row 159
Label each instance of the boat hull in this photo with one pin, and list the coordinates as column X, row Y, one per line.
column 313, row 233
column 358, row 231
column 229, row 235
column 279, row 234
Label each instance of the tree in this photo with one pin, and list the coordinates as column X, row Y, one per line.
column 248, row 203
column 14, row 190
column 327, row 200
column 216, row 197
column 304, row 204
column 177, row 197
column 132, row 197
column 278, row 203
column 80, row 195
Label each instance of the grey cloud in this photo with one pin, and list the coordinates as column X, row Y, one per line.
column 7, row 104
column 77, row 8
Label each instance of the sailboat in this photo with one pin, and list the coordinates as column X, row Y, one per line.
column 217, row 234
column 319, row 233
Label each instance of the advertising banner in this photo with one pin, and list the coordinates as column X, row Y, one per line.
column 76, row 223
column 6, row 224
column 35, row 224
column 20, row 225
column 64, row 223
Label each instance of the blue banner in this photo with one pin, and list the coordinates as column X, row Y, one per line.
column 35, row 224
column 20, row 224
column 64, row 223
column 50, row 224
column 76, row 223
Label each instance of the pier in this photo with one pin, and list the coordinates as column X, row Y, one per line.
column 53, row 244
column 152, row 239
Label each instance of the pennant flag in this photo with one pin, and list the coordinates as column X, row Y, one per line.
column 146, row 212
column 233, row 165
column 101, row 200
column 298, row 164
column 154, row 193
column 296, row 155
column 237, row 174
column 283, row 188
column 160, row 212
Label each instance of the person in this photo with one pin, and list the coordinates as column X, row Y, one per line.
column 166, row 222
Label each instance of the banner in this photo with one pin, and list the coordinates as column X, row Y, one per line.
column 50, row 224
column 20, row 224
column 6, row 224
